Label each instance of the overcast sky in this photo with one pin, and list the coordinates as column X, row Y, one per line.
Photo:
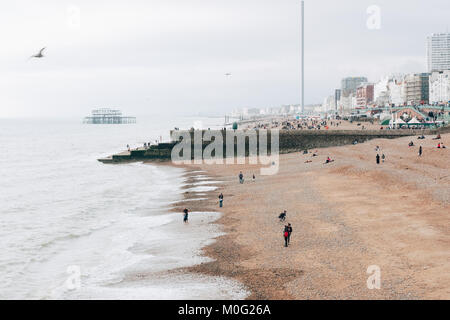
column 170, row 56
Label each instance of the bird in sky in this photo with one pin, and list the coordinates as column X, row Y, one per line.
column 38, row 55
column 227, row 74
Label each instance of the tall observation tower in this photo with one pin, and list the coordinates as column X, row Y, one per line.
column 303, row 56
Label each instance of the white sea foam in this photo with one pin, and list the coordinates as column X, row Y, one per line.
column 61, row 208
column 201, row 183
column 201, row 189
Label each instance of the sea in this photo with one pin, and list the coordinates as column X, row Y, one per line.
column 74, row 228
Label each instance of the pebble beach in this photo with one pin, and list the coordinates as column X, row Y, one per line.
column 346, row 215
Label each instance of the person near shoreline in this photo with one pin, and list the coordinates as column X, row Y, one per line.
column 241, row 178
column 282, row 216
column 383, row 158
column 186, row 215
column 420, row 151
column 220, row 200
column 254, row 178
column 378, row 158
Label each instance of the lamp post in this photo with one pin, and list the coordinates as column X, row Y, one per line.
column 303, row 56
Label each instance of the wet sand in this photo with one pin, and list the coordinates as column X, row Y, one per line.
column 346, row 216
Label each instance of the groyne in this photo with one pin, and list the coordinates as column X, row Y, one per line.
column 289, row 141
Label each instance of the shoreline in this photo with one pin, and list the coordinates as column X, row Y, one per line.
column 224, row 252
column 203, row 202
column 338, row 230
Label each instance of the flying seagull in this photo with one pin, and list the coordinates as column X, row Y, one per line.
column 227, row 74
column 39, row 55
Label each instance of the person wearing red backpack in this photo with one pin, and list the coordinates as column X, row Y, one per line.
column 286, row 236
column 289, row 230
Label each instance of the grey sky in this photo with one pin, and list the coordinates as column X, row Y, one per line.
column 170, row 56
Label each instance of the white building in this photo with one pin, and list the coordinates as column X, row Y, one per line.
column 390, row 90
column 328, row 104
column 381, row 94
column 347, row 103
column 440, row 87
column 397, row 92
column 438, row 52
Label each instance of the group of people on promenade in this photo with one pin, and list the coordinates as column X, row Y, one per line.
column 297, row 124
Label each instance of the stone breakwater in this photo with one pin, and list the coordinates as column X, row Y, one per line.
column 289, row 141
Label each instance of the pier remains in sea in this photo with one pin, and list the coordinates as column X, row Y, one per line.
column 108, row 116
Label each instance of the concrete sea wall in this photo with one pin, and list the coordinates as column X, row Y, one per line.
column 289, row 141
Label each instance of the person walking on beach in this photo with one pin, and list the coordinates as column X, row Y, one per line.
column 383, row 157
column 241, row 178
column 186, row 215
column 289, row 230
column 378, row 158
column 221, row 200
column 282, row 216
column 420, row 151
column 286, row 236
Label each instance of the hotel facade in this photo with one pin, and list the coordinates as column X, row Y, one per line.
column 438, row 52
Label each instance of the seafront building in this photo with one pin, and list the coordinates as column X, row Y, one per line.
column 337, row 98
column 345, row 99
column 328, row 104
column 364, row 95
column 398, row 90
column 417, row 88
column 347, row 104
column 438, row 52
column 420, row 95
column 440, row 87
column 350, row 84
column 381, row 93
